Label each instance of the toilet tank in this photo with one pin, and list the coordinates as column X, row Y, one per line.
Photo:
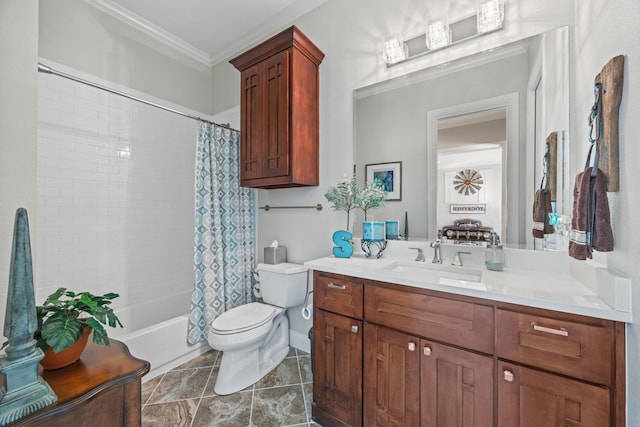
column 283, row 285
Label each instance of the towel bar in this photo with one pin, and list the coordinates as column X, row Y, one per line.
column 267, row 207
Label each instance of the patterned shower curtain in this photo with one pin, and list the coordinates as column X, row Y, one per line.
column 225, row 230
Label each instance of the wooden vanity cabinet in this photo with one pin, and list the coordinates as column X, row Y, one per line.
column 279, row 93
column 337, row 350
column 435, row 359
column 558, row 369
column 532, row 398
column 411, row 380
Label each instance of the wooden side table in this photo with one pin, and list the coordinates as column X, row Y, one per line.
column 102, row 389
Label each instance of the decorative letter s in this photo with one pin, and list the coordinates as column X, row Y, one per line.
column 344, row 249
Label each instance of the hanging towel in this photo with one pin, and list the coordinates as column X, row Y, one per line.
column 542, row 203
column 541, row 209
column 590, row 223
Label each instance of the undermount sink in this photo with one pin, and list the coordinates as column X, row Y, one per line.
column 438, row 273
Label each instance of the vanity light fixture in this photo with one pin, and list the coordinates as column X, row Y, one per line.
column 438, row 35
column 487, row 17
column 395, row 50
column 490, row 15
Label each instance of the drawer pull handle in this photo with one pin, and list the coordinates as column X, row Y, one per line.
column 334, row 286
column 412, row 346
column 426, row 350
column 354, row 329
column 508, row 375
column 562, row 331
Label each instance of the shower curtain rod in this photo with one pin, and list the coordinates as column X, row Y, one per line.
column 48, row 70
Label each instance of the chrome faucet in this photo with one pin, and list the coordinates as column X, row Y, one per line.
column 457, row 260
column 436, row 252
column 420, row 256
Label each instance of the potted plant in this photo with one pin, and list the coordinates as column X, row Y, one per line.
column 343, row 196
column 371, row 196
column 66, row 319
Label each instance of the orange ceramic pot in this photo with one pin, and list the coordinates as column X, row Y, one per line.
column 67, row 356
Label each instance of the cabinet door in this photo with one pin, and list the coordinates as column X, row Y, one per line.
column 252, row 117
column 457, row 387
column 530, row 398
column 275, row 134
column 391, row 381
column 264, row 149
column 337, row 376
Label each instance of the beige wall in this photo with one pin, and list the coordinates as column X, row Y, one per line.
column 18, row 115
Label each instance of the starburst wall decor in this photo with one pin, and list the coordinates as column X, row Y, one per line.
column 468, row 181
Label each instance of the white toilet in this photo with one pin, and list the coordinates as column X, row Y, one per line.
column 254, row 337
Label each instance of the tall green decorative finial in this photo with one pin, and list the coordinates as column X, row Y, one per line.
column 20, row 321
column 24, row 391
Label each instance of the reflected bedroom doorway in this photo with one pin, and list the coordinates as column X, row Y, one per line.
column 471, row 153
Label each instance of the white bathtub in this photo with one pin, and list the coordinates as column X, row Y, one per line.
column 156, row 331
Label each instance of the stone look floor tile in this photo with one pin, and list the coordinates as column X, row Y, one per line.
column 149, row 387
column 278, row 406
column 305, row 368
column 184, row 396
column 224, row 411
column 285, row 373
column 308, row 397
column 181, row 384
column 172, row 414
column 207, row 359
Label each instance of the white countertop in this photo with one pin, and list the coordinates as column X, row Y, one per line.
column 542, row 288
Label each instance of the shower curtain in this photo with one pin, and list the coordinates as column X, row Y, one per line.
column 225, row 230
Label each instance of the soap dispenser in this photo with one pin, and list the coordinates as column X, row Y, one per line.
column 494, row 256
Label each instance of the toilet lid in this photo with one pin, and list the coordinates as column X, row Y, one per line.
column 243, row 318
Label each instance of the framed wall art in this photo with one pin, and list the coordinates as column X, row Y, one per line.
column 390, row 174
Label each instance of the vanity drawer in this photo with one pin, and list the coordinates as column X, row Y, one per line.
column 583, row 350
column 338, row 294
column 455, row 322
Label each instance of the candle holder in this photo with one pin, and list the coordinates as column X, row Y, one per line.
column 367, row 244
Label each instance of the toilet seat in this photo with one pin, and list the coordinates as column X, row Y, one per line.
column 243, row 318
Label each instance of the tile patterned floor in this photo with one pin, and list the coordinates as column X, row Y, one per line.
column 184, row 396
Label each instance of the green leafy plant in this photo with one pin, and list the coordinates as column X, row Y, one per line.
column 64, row 314
column 346, row 196
column 371, row 196
column 342, row 197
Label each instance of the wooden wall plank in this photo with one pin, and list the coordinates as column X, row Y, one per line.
column 611, row 77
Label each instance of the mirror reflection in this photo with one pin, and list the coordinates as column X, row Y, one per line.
column 470, row 152
column 489, row 113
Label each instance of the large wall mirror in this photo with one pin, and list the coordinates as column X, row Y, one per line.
column 471, row 136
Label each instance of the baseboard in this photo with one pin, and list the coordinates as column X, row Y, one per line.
column 299, row 341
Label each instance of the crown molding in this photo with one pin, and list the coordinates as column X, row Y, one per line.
column 267, row 29
column 141, row 24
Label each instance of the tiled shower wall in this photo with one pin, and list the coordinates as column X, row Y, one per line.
column 115, row 194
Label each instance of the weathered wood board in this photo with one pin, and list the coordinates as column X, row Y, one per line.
column 611, row 77
column 552, row 165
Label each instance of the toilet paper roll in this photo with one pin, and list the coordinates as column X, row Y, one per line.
column 257, row 291
column 306, row 312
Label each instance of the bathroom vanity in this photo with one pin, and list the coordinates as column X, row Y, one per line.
column 406, row 343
